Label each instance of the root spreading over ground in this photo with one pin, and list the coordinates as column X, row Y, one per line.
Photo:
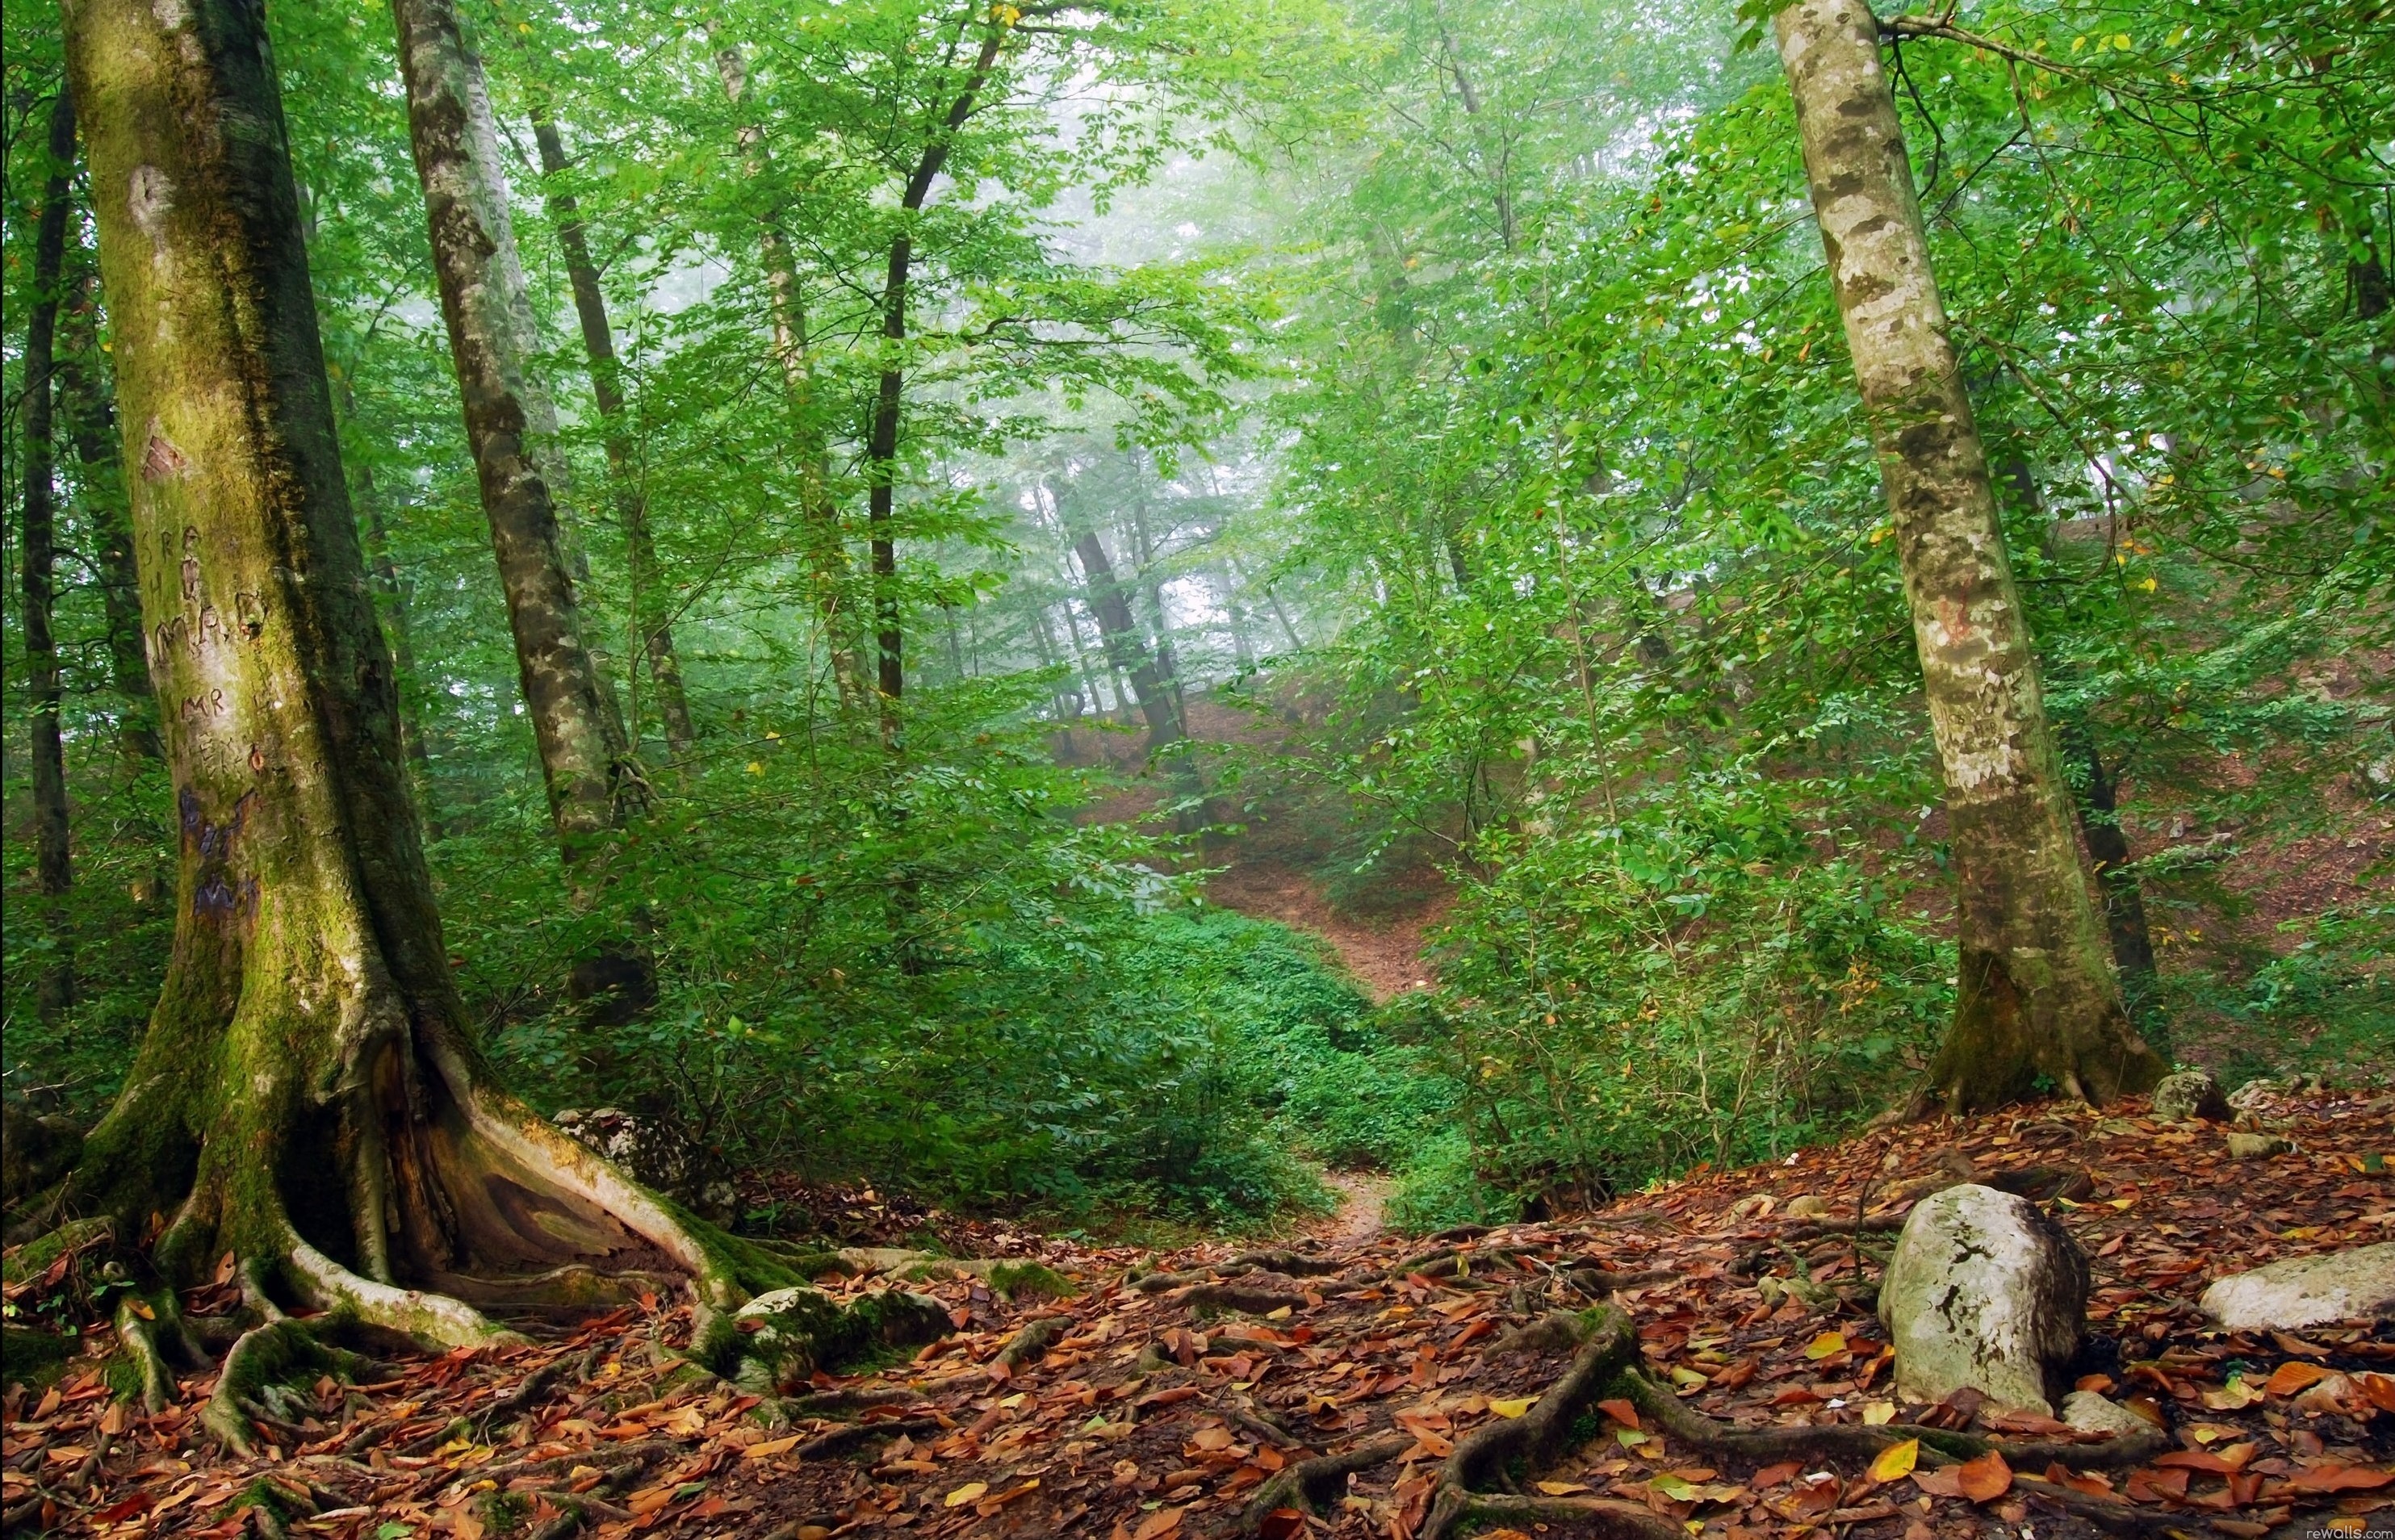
column 1692, row 1362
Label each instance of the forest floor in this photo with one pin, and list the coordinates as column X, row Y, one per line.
column 1182, row 1394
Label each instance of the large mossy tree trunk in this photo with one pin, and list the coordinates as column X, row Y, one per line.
column 2037, row 996
column 53, row 870
column 307, row 1097
column 508, row 420
column 652, row 605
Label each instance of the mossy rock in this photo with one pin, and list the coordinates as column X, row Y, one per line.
column 1021, row 1281
column 35, row 1358
column 799, row 1331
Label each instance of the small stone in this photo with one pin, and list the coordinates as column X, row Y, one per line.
column 2258, row 1092
column 1986, row 1291
column 1805, row 1205
column 2354, row 1284
column 2255, row 1147
column 2187, row 1095
column 2090, row 1413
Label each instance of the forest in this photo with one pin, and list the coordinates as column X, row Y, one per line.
column 660, row 657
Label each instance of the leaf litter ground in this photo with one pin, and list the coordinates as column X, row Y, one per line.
column 1343, row 1389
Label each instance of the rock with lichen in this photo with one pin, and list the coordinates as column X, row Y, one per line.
column 1984, row 1290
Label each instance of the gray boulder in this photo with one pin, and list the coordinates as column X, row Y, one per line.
column 2357, row 1284
column 1984, row 1290
column 657, row 1153
column 2190, row 1094
column 2090, row 1413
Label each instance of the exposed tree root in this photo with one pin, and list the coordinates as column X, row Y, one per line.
column 2105, row 1514
column 252, row 1388
column 537, row 1385
column 1606, row 1518
column 829, row 1403
column 1246, row 1298
column 857, row 1435
column 1030, row 1344
column 1599, row 1284
column 1296, row 1264
column 1856, row 1442
column 1540, row 1436
column 140, row 1346
column 1309, row 1485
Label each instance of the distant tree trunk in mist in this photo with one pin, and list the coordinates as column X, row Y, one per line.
column 652, row 606
column 1168, row 662
column 53, row 871
column 1120, row 635
column 483, row 299
column 2036, row 994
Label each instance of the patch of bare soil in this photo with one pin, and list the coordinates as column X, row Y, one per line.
column 1385, row 957
column 1363, row 1200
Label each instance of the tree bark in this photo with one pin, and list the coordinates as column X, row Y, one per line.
column 53, row 869
column 508, row 421
column 2036, row 997
column 307, row 1096
column 826, row 550
column 882, row 440
column 85, row 400
column 651, row 607
column 2124, row 901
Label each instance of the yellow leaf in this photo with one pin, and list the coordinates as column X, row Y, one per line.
column 970, row 1491
column 1511, row 1408
column 1562, row 1489
column 1671, row 1486
column 1824, row 1345
column 1896, row 1460
column 770, row 1448
column 756, row 767
column 1878, row 1413
column 2121, row 41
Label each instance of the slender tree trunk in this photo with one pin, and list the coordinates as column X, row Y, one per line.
column 882, row 440
column 396, row 594
column 826, row 548
column 651, row 604
column 1243, row 654
column 53, row 870
column 2124, row 901
column 2036, row 996
column 90, row 416
column 307, row 1096
column 1068, row 702
column 1081, row 652
column 484, row 301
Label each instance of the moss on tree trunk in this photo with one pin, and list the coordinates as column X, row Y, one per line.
column 307, row 1097
column 509, row 422
column 2037, row 996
